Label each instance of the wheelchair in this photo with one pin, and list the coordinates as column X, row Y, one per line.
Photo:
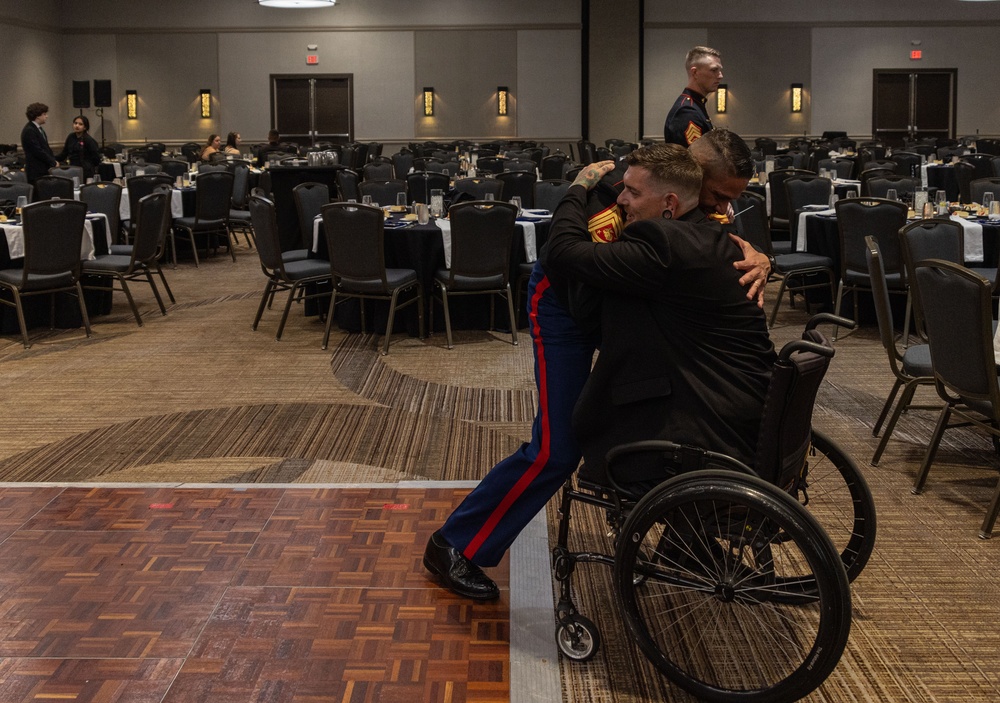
column 733, row 580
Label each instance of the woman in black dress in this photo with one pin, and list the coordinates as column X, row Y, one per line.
column 81, row 148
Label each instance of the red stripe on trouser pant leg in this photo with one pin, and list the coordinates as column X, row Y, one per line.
column 543, row 453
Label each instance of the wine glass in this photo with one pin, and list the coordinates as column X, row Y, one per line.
column 891, row 194
column 22, row 201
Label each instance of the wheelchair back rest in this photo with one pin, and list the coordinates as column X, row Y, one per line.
column 786, row 422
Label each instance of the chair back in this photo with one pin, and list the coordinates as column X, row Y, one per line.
column 982, row 163
column 53, row 237
column 141, row 186
column 965, row 173
column 883, row 307
column 211, row 168
column 174, row 167
column 48, row 187
column 147, row 169
column 12, row 190
column 869, row 174
column 482, row 233
column 520, row 165
column 929, row 239
column 879, row 186
column 265, row 227
column 310, row 198
column 995, row 162
column 859, row 217
column 349, row 156
column 490, row 164
column 69, row 172
column 844, row 167
column 549, row 193
column 552, row 166
column 958, row 313
column 402, row 162
column 152, row 221
column 479, row 187
column 355, row 239
column 381, row 170
column 241, row 183
column 519, row 183
column 105, row 198
column 347, row 184
column 419, row 185
column 807, row 190
column 751, row 221
column 768, row 147
column 588, row 151
column 191, row 151
column 383, row 192
column 779, row 196
column 214, row 194
column 786, row 422
column 907, row 163
column 981, row 186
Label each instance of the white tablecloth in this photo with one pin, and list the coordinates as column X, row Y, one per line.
column 800, row 241
column 176, row 205
column 15, row 240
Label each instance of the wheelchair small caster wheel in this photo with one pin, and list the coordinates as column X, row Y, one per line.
column 578, row 639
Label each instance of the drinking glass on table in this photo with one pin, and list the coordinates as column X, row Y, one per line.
column 401, row 200
column 22, row 201
column 366, row 200
column 852, row 194
column 487, row 196
column 516, row 202
column 987, row 200
column 891, row 194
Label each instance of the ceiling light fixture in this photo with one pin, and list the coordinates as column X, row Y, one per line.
column 297, row 3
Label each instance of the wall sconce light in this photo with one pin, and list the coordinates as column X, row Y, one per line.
column 131, row 104
column 428, row 102
column 502, row 96
column 722, row 99
column 796, row 97
column 206, row 102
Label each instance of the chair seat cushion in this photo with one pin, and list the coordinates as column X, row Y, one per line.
column 307, row 268
column 108, row 262
column 296, row 255
column 799, row 261
column 239, row 215
column 917, row 361
column 781, row 246
column 394, row 278
column 36, row 281
column 894, row 281
column 467, row 283
column 121, row 249
column 193, row 223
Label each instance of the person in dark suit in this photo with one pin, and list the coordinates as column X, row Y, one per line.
column 688, row 118
column 38, row 156
column 81, row 148
column 684, row 355
column 271, row 147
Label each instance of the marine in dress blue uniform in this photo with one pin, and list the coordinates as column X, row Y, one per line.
column 688, row 119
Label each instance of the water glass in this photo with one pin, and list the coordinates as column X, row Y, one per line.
column 994, row 210
column 488, row 196
column 852, row 194
column 401, row 200
column 423, row 216
column 987, row 200
column 22, row 201
column 516, row 202
column 891, row 194
column 366, row 200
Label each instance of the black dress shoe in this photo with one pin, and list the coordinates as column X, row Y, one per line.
column 457, row 573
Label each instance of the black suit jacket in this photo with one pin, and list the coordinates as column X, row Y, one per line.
column 38, row 156
column 684, row 355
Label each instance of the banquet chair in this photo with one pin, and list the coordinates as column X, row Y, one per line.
column 911, row 368
column 347, row 181
column 152, row 222
column 882, row 219
column 290, row 276
column 482, row 234
column 133, row 169
column 844, row 167
column 419, row 185
column 520, row 165
column 168, row 233
column 349, row 156
column 879, row 163
column 380, row 169
column 549, row 192
column 450, row 168
column 518, row 183
column 48, row 187
column 239, row 214
column 212, row 167
column 587, row 151
column 980, row 186
column 922, row 149
column 139, row 187
column 797, row 271
column 382, row 191
column 154, row 152
column 965, row 173
column 174, row 168
column 958, row 313
column 310, row 197
column 421, row 163
column 191, row 151
column 106, row 199
column 780, row 215
column 800, row 192
column 12, row 190
column 490, row 164
column 767, row 146
column 213, row 198
column 552, row 166
column 995, row 164
column 871, row 173
column 402, row 163
column 53, row 238
column 18, row 176
column 355, row 236
column 907, row 163
column 69, row 172
column 946, row 153
column 479, row 187
column 879, row 186
column 982, row 163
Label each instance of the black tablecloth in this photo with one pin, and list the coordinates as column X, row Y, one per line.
column 943, row 177
column 37, row 307
column 421, row 248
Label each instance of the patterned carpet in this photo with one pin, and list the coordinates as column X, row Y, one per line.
column 197, row 397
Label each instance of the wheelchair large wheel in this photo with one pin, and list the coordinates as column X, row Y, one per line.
column 841, row 502
column 715, row 548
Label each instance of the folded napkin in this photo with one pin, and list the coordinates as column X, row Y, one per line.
column 316, row 221
column 445, row 227
column 973, row 239
column 528, row 230
column 800, row 240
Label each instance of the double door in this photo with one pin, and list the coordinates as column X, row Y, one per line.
column 914, row 104
column 310, row 109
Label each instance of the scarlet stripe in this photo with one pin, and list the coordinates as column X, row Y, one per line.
column 543, row 453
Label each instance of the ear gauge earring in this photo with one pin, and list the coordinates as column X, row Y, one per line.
column 667, row 214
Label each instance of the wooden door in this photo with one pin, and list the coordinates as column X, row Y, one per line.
column 913, row 104
column 308, row 109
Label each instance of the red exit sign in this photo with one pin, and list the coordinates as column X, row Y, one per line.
column 916, row 55
column 312, row 59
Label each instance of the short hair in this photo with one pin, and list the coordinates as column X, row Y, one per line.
column 723, row 153
column 86, row 122
column 671, row 166
column 35, row 110
column 697, row 54
column 273, row 136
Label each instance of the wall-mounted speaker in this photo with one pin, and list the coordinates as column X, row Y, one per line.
column 102, row 93
column 81, row 93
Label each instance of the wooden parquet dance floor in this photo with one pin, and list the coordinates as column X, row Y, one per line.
column 218, row 595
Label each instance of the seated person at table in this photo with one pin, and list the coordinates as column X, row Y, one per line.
column 233, row 141
column 271, row 147
column 81, row 148
column 211, row 147
column 684, row 355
